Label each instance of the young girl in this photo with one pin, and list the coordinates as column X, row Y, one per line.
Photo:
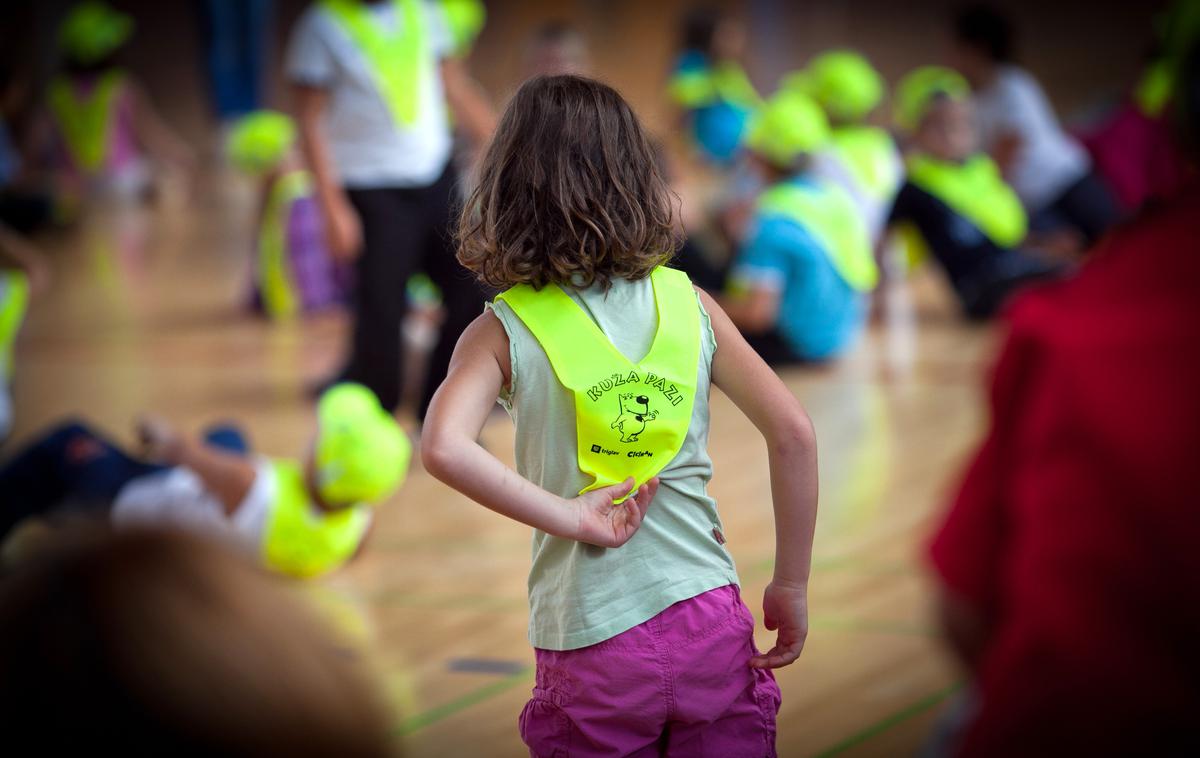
column 103, row 125
column 604, row 359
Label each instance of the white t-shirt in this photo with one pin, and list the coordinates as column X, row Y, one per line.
column 370, row 150
column 176, row 498
column 1048, row 161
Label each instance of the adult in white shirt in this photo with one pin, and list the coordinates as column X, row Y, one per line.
column 1049, row 170
column 372, row 81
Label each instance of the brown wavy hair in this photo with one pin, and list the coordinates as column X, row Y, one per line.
column 569, row 192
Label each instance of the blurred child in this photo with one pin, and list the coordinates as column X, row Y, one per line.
column 299, row 518
column 1070, row 578
column 557, row 47
column 23, row 272
column 800, row 283
column 1048, row 169
column 374, row 82
column 863, row 159
column 710, row 86
column 572, row 217
column 293, row 271
column 103, row 125
column 165, row 644
column 954, row 204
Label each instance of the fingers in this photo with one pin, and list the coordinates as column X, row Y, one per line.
column 617, row 491
column 777, row 657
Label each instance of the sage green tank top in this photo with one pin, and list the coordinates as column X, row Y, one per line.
column 580, row 594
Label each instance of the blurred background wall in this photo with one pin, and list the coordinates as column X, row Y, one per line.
column 1083, row 52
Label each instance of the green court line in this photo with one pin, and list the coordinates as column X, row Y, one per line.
column 433, row 715
column 886, row 723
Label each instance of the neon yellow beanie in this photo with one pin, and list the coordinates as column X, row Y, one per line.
column 260, row 140
column 842, row 82
column 786, row 126
column 465, row 19
column 93, row 30
column 921, row 86
column 361, row 453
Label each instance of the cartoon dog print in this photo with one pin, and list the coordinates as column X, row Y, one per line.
column 635, row 412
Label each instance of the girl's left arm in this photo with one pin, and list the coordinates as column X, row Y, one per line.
column 451, row 452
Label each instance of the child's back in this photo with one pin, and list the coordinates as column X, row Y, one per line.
column 580, row 594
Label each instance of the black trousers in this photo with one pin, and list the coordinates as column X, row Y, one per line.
column 1088, row 205
column 406, row 230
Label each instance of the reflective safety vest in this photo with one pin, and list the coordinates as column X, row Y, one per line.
column 631, row 417
column 705, row 85
column 396, row 59
column 870, row 156
column 86, row 124
column 974, row 190
column 828, row 213
column 302, row 540
column 279, row 296
column 14, row 299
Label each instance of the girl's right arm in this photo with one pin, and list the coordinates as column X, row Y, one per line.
column 792, row 454
column 342, row 227
column 451, row 452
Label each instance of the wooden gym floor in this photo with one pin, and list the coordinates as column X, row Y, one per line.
column 143, row 315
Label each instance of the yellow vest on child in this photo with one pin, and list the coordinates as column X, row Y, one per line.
column 303, row 541
column 631, row 416
column 395, row 59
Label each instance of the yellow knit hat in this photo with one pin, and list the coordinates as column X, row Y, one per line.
column 786, row 126
column 260, row 140
column 361, row 453
column 93, row 30
column 920, row 87
column 842, row 82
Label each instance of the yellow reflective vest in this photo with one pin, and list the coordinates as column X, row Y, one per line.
column 396, row 59
column 631, row 417
column 300, row 539
column 828, row 213
column 975, row 190
column 86, row 124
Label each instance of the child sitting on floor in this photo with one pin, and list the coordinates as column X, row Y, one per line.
column 293, row 271
column 799, row 284
column 955, row 205
column 300, row 519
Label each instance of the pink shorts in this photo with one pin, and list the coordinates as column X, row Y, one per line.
column 679, row 684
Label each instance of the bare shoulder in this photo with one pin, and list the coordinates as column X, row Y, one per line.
column 485, row 336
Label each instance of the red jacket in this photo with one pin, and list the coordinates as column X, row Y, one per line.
column 1076, row 532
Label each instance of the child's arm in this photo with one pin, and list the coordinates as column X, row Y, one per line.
column 342, row 226
column 450, row 452
column 228, row 476
column 792, row 453
column 755, row 311
column 467, row 100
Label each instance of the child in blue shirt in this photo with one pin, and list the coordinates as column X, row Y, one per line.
column 799, row 284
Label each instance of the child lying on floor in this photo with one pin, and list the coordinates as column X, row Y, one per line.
column 299, row 518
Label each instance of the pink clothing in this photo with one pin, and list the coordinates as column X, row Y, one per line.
column 679, row 684
column 1137, row 156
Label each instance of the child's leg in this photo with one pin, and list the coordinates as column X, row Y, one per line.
column 71, row 464
column 390, row 251
column 462, row 295
column 724, row 708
